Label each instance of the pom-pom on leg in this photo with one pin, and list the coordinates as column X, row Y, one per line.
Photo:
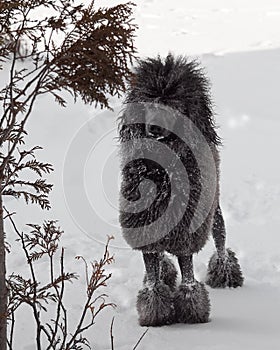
column 191, row 300
column 191, row 303
column 224, row 271
column 155, row 305
column 155, row 300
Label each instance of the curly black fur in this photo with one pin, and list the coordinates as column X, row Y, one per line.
column 224, row 271
column 192, row 304
column 181, row 85
column 155, row 306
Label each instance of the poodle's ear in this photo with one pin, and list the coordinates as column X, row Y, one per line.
column 123, row 129
column 124, row 133
column 129, row 132
column 132, row 122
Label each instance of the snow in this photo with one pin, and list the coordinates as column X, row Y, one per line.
column 238, row 43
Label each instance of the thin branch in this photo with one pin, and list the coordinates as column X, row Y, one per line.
column 12, row 327
column 111, row 334
column 140, row 339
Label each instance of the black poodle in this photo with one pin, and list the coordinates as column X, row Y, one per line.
column 170, row 189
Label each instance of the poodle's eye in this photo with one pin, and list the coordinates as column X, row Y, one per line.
column 154, row 130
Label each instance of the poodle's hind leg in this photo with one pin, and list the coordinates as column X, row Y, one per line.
column 168, row 271
column 191, row 300
column 155, row 300
column 223, row 268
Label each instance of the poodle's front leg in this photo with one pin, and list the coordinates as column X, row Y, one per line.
column 155, row 300
column 191, row 300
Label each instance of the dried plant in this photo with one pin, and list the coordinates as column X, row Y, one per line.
column 41, row 244
column 48, row 47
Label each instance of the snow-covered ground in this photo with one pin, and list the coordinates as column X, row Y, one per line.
column 238, row 42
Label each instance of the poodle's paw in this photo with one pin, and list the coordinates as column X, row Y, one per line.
column 191, row 303
column 155, row 305
column 224, row 272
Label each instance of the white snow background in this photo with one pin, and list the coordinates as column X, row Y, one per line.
column 238, row 43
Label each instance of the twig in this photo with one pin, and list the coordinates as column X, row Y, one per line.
column 140, row 339
column 111, row 334
column 10, row 342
